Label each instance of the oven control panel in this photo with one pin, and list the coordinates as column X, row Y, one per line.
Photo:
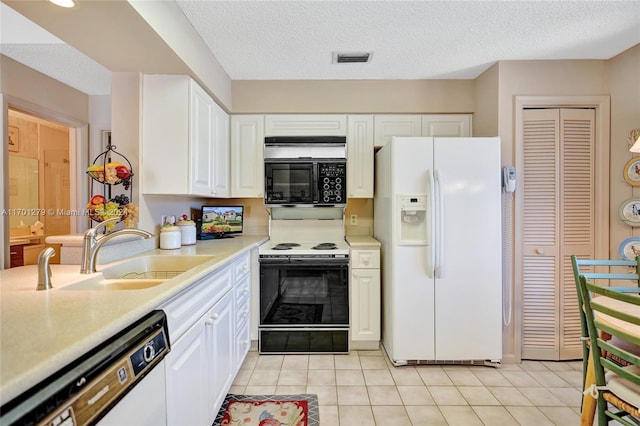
column 332, row 183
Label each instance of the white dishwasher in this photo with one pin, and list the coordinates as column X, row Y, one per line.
column 115, row 384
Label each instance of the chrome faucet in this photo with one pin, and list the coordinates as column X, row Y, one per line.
column 91, row 244
column 44, row 269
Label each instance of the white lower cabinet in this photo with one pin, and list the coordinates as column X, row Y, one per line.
column 220, row 367
column 186, row 379
column 365, row 298
column 208, row 323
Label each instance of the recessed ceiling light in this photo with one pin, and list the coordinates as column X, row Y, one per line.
column 351, row 57
column 63, row 3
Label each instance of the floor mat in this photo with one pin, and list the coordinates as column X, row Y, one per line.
column 269, row 410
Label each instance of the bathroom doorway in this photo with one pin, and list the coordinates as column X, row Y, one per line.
column 38, row 184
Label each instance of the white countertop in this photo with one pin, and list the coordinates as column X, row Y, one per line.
column 42, row 331
column 358, row 241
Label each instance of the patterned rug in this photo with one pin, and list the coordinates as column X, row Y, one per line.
column 269, row 410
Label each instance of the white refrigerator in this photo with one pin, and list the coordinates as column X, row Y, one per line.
column 437, row 213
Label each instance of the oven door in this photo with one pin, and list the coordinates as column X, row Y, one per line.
column 290, row 182
column 304, row 305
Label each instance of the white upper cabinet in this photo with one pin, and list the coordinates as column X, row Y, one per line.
column 185, row 139
column 247, row 156
column 201, row 135
column 305, row 125
column 446, row 125
column 441, row 125
column 221, row 161
column 360, row 156
column 387, row 126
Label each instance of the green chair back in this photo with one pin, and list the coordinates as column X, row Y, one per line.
column 613, row 313
column 608, row 272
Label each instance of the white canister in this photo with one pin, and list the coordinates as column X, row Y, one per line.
column 170, row 237
column 187, row 231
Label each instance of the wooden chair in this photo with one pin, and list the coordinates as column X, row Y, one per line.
column 618, row 271
column 616, row 314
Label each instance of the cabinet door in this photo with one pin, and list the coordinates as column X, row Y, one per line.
column 305, row 125
column 446, row 125
column 220, row 160
column 247, row 156
column 186, row 367
column 220, row 363
column 365, row 304
column 360, row 156
column 165, row 152
column 387, row 126
column 201, row 135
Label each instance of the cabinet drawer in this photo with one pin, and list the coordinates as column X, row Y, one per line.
column 185, row 309
column 17, row 256
column 243, row 312
column 365, row 259
column 243, row 343
column 242, row 266
column 242, row 290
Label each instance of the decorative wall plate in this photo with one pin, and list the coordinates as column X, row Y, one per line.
column 629, row 211
column 632, row 171
column 629, row 248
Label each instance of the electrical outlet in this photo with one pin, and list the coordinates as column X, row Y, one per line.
column 354, row 219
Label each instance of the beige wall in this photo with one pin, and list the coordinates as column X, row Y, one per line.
column 28, row 85
column 485, row 112
column 26, row 89
column 353, row 96
column 624, row 87
column 617, row 78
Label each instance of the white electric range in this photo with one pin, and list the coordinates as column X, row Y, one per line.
column 304, row 283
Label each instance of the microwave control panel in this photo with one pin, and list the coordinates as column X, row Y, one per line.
column 332, row 182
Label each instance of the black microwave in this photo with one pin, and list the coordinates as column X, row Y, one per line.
column 299, row 173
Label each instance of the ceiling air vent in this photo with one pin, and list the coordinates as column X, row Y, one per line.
column 351, row 57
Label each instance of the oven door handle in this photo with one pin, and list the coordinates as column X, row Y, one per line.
column 274, row 261
column 320, row 261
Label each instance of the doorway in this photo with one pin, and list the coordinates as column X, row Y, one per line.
column 38, row 184
column 562, row 152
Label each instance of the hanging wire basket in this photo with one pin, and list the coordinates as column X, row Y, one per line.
column 109, row 169
column 112, row 168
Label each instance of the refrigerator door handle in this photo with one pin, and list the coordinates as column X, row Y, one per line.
column 439, row 225
column 429, row 250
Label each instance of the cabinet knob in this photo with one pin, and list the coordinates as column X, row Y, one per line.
column 208, row 321
column 539, row 251
column 215, row 316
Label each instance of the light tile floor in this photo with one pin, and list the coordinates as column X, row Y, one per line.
column 364, row 388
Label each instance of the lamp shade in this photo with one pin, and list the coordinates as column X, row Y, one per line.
column 636, row 146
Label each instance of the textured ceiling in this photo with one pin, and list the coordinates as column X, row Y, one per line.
column 256, row 40
column 294, row 40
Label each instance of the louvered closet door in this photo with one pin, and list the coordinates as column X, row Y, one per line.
column 557, row 221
